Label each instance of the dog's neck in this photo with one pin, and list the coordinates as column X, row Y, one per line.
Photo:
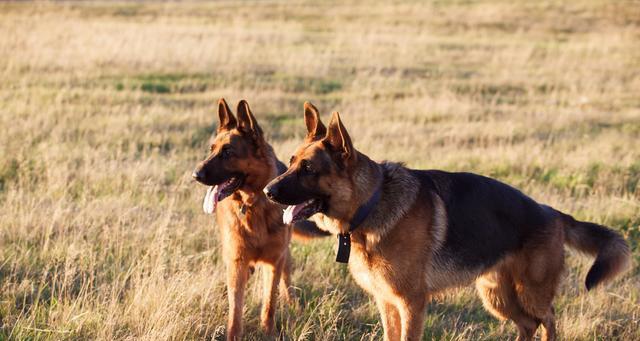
column 398, row 192
column 393, row 189
column 251, row 192
column 367, row 179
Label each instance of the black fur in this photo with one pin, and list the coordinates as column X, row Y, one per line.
column 309, row 228
column 486, row 218
column 304, row 227
column 281, row 167
column 594, row 239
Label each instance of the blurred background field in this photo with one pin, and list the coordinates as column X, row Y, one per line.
column 105, row 108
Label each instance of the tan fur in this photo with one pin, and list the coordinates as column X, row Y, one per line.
column 521, row 287
column 389, row 258
column 257, row 236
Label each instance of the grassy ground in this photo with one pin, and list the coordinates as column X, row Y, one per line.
column 105, row 109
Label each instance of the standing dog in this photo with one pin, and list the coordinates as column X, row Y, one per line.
column 415, row 233
column 238, row 167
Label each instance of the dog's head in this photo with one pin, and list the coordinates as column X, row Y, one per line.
column 320, row 173
column 237, row 156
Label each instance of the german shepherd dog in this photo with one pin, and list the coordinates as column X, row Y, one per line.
column 238, row 167
column 415, row 233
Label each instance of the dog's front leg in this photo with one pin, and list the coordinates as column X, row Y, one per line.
column 390, row 319
column 286, row 290
column 412, row 314
column 237, row 276
column 271, row 278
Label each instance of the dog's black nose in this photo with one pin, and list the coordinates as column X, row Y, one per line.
column 270, row 192
column 198, row 174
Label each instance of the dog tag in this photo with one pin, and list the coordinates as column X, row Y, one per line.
column 344, row 248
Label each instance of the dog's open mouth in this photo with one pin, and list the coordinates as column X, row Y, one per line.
column 294, row 213
column 219, row 192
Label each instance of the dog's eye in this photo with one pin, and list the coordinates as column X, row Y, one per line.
column 226, row 152
column 306, row 166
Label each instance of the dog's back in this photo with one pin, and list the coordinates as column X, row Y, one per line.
column 487, row 220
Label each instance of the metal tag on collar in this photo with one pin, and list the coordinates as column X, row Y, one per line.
column 344, row 248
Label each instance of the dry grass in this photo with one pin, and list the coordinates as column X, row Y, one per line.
column 105, row 108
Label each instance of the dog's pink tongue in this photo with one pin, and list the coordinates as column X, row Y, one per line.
column 211, row 199
column 290, row 212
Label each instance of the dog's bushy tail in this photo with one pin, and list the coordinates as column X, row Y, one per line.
column 612, row 252
column 305, row 230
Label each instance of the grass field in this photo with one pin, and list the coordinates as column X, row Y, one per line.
column 105, row 109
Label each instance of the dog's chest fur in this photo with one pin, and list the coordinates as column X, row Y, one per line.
column 255, row 233
column 384, row 250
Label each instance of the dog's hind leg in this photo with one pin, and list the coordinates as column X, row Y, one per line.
column 536, row 300
column 271, row 277
column 237, row 276
column 500, row 299
column 549, row 327
column 390, row 319
column 536, row 291
column 537, row 273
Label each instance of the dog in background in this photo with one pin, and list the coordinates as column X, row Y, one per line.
column 415, row 233
column 239, row 165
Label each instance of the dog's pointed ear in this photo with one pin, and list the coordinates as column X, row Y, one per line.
column 338, row 138
column 227, row 120
column 246, row 121
column 315, row 128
